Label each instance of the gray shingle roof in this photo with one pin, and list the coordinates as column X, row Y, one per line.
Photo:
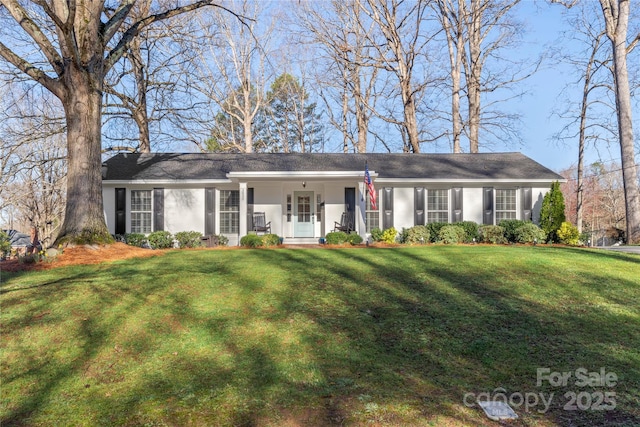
column 207, row 166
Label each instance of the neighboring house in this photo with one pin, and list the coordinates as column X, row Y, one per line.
column 20, row 242
column 304, row 195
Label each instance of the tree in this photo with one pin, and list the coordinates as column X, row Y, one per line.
column 292, row 120
column 338, row 29
column 399, row 44
column 232, row 72
column 616, row 19
column 33, row 168
column 552, row 212
column 476, row 31
column 585, row 117
column 74, row 49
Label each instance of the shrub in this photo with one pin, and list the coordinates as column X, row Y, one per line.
column 271, row 240
column 135, row 239
column 5, row 245
column 470, row 230
column 492, row 234
column 389, row 235
column 529, row 233
column 336, row 237
column 510, row 226
column 354, row 239
column 416, row 235
column 451, row 234
column 219, row 240
column 552, row 212
column 434, row 229
column 189, row 239
column 568, row 234
column 251, row 241
column 376, row 234
column 160, row 240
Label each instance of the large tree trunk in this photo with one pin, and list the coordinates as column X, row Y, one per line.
column 616, row 14
column 84, row 214
column 140, row 114
column 627, row 152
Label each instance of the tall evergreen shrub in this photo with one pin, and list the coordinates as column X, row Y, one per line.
column 552, row 212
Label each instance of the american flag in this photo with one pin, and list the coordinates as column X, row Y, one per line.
column 369, row 183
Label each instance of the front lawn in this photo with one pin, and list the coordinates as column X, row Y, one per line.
column 362, row 336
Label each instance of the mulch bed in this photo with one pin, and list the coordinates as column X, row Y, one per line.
column 76, row 255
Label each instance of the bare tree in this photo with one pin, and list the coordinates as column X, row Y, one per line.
column 585, row 118
column 616, row 19
column 476, row 31
column 33, row 169
column 73, row 50
column 232, row 72
column 339, row 30
column 400, row 42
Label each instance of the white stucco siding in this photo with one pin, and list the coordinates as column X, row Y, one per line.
column 270, row 200
column 537, row 194
column 184, row 209
column 472, row 204
column 403, row 207
column 109, row 205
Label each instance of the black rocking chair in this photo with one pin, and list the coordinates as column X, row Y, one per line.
column 259, row 223
column 345, row 224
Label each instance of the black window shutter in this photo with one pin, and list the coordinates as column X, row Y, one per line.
column 250, row 208
column 121, row 211
column 158, row 209
column 487, row 204
column 418, row 198
column 456, row 204
column 350, row 203
column 209, row 206
column 527, row 203
column 387, row 205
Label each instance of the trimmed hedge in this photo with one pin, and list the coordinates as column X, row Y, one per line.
column 530, row 233
column 270, row 240
column 434, row 229
column 510, row 226
column 189, row 239
column 251, row 241
column 160, row 240
column 492, row 234
column 416, row 235
column 451, row 234
column 470, row 230
column 135, row 239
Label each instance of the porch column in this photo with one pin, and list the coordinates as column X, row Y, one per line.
column 243, row 209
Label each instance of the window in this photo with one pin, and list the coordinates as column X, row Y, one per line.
column 141, row 211
column 229, row 211
column 438, row 206
column 505, row 205
column 372, row 215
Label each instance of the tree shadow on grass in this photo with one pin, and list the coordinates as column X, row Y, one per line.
column 388, row 336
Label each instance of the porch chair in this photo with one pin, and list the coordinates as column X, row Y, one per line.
column 259, row 223
column 345, row 224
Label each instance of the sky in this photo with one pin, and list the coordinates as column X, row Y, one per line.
column 545, row 25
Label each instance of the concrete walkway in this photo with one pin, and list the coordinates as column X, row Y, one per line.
column 628, row 249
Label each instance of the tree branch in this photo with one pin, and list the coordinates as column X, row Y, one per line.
column 32, row 29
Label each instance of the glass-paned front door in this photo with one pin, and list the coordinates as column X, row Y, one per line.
column 303, row 215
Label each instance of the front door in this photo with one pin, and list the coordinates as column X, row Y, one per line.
column 303, row 214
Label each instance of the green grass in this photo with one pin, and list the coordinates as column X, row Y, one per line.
column 372, row 336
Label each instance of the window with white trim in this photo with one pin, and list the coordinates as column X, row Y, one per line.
column 505, row 204
column 229, row 211
column 372, row 216
column 141, row 211
column 437, row 206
